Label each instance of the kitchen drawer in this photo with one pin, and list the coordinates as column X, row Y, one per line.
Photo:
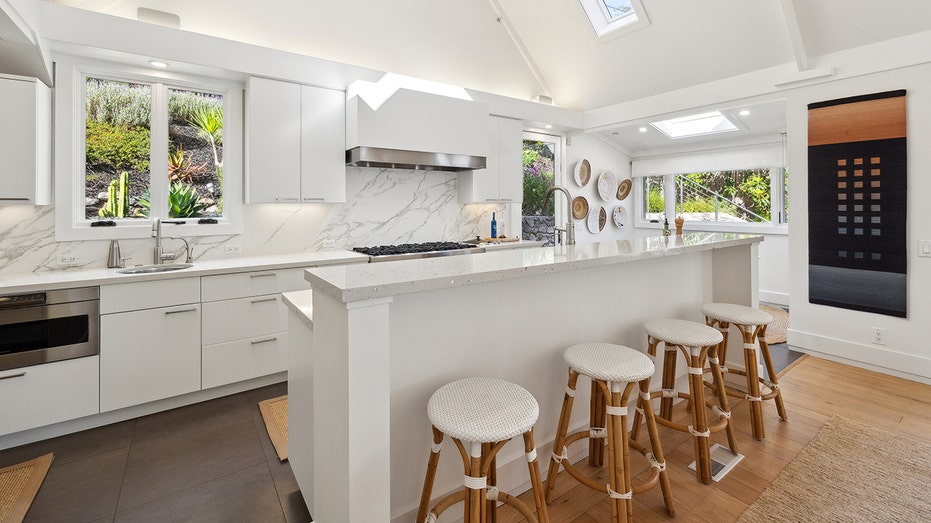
column 123, row 297
column 243, row 284
column 244, row 359
column 230, row 320
column 48, row 393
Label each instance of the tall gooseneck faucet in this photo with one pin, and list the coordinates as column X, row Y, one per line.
column 569, row 231
column 159, row 253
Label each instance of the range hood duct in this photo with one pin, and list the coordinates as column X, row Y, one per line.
column 401, row 159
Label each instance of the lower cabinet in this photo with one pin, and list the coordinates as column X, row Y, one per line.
column 148, row 355
column 48, row 393
column 241, row 360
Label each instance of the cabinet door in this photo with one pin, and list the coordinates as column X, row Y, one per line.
column 273, row 127
column 25, row 172
column 510, row 152
column 323, row 145
column 48, row 393
column 149, row 355
column 481, row 185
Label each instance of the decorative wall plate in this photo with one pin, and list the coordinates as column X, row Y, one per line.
column 579, row 207
column 620, row 216
column 596, row 220
column 623, row 189
column 607, row 185
column 583, row 172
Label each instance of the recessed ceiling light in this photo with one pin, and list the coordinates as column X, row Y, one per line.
column 615, row 133
column 745, row 112
column 547, row 126
column 643, row 129
column 695, row 125
column 156, row 63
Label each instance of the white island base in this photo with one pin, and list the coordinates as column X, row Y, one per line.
column 385, row 336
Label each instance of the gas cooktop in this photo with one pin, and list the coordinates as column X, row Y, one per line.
column 417, row 250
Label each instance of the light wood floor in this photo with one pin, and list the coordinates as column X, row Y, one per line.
column 814, row 390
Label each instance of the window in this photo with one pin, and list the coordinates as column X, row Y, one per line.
column 145, row 147
column 609, row 16
column 695, row 125
column 540, row 160
column 654, row 198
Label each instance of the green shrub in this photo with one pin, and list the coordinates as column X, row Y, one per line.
column 182, row 202
column 118, row 103
column 117, row 147
column 655, row 201
column 538, row 179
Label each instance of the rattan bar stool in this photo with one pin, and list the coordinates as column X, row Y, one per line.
column 752, row 324
column 615, row 371
column 698, row 343
column 481, row 415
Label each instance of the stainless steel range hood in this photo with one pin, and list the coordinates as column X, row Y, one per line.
column 363, row 156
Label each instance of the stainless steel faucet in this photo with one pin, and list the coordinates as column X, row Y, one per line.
column 159, row 253
column 569, row 231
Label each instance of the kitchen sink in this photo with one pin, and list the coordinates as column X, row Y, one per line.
column 148, row 269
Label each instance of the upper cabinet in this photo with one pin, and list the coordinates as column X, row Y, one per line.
column 502, row 179
column 25, row 141
column 295, row 143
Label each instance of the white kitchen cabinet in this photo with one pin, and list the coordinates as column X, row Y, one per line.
column 245, row 324
column 149, row 341
column 502, row 179
column 25, row 141
column 48, row 393
column 295, row 143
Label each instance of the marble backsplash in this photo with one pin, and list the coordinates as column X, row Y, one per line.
column 383, row 206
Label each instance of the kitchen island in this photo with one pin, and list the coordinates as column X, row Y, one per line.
column 385, row 336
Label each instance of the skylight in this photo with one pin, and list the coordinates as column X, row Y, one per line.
column 695, row 125
column 607, row 16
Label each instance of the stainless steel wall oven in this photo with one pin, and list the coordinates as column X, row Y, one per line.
column 42, row 327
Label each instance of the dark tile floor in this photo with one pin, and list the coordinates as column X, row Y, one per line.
column 211, row 461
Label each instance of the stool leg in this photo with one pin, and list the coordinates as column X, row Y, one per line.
column 655, row 444
column 491, row 505
column 669, row 381
column 562, row 429
column 538, row 496
column 753, row 381
column 770, row 369
column 431, row 476
column 596, row 448
column 700, row 433
column 721, row 393
column 472, row 512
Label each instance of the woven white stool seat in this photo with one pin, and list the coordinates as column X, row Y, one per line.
column 609, row 362
column 482, row 410
column 737, row 314
column 682, row 332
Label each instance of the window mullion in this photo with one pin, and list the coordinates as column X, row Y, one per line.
column 158, row 173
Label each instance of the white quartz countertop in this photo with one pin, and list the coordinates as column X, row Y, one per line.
column 358, row 282
column 302, row 303
column 48, row 280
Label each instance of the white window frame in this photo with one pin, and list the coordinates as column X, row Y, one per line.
column 606, row 29
column 775, row 226
column 69, row 139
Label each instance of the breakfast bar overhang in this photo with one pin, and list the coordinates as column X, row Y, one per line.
column 385, row 336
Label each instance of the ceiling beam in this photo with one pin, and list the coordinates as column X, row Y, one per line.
column 795, row 34
column 522, row 49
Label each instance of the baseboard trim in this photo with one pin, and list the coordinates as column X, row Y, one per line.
column 870, row 357
column 777, row 298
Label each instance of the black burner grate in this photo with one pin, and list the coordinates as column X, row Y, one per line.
column 408, row 248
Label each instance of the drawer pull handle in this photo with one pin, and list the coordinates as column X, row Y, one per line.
column 283, row 199
column 11, row 376
column 15, row 199
column 179, row 311
column 263, row 300
column 266, row 340
column 263, row 275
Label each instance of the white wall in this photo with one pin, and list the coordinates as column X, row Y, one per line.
column 845, row 334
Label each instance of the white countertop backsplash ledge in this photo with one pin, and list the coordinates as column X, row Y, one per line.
column 350, row 283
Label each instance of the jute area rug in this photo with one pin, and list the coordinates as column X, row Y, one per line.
column 850, row 472
column 19, row 485
column 776, row 332
column 275, row 414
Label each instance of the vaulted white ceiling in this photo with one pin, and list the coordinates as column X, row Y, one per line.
column 522, row 48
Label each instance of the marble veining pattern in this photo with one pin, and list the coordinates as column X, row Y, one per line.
column 383, row 206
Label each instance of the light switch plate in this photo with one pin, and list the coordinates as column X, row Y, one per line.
column 924, row 248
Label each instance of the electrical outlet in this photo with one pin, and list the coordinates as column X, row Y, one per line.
column 924, row 249
column 879, row 336
column 68, row 259
column 232, row 249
